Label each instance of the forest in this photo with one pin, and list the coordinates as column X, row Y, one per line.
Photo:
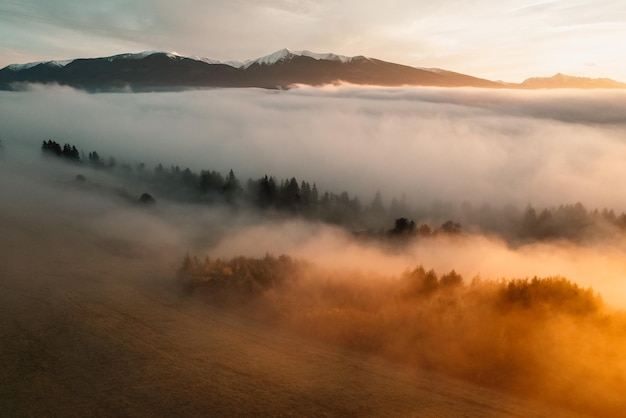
column 345, row 250
column 537, row 336
column 542, row 337
column 396, row 222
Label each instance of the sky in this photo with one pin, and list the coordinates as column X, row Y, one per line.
column 508, row 40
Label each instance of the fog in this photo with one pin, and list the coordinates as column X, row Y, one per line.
column 43, row 194
column 534, row 147
column 600, row 267
column 487, row 147
column 495, row 147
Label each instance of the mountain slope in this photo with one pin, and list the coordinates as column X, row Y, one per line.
column 152, row 71
column 159, row 70
column 109, row 334
column 358, row 70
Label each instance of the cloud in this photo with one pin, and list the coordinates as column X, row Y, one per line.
column 493, row 147
column 501, row 147
column 44, row 206
column 599, row 266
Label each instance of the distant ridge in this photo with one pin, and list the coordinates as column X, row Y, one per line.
column 565, row 81
column 156, row 71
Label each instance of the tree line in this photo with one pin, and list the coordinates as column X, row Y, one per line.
column 395, row 221
column 281, row 197
column 528, row 335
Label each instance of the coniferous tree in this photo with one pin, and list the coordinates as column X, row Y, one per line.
column 290, row 194
column 530, row 223
column 232, row 188
column 70, row 152
column 403, row 227
column 450, row 227
column 94, row 159
column 146, row 198
column 376, row 207
column 52, row 147
column 266, row 196
column 424, row 230
column 211, row 181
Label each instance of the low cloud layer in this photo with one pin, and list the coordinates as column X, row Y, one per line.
column 600, row 267
column 487, row 147
column 43, row 202
column 67, row 226
column 497, row 147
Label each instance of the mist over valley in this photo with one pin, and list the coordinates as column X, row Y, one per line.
column 473, row 237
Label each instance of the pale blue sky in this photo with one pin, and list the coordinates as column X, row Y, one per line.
column 501, row 40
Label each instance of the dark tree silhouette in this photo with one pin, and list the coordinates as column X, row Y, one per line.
column 290, row 196
column 70, row 152
column 146, row 198
column 530, row 223
column 264, row 192
column 376, row 207
column 211, row 181
column 424, row 230
column 293, row 198
column 52, row 148
column 450, row 227
column 232, row 188
column 403, row 226
column 94, row 159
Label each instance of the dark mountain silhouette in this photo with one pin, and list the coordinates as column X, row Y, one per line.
column 166, row 71
column 153, row 71
column 300, row 69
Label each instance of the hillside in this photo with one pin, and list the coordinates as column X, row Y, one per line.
column 156, row 71
column 81, row 339
column 558, row 81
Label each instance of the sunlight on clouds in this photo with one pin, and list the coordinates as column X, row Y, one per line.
column 452, row 144
column 507, row 41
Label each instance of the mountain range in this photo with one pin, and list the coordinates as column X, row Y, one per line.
column 156, row 71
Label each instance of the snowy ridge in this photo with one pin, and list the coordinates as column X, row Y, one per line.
column 235, row 64
column 204, row 59
column 20, row 67
column 433, row 70
column 286, row 54
column 142, row 55
column 135, row 56
column 278, row 56
column 176, row 55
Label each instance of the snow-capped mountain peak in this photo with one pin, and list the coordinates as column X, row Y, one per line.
column 235, row 64
column 286, row 54
column 281, row 69
column 270, row 59
column 20, row 67
column 143, row 54
column 278, row 56
column 328, row 56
